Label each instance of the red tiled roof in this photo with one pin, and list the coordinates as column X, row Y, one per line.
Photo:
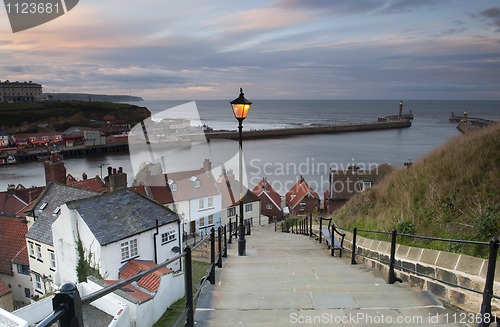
column 265, row 187
column 4, row 289
column 132, row 291
column 160, row 194
column 28, row 194
column 298, row 192
column 12, row 240
column 150, row 282
column 10, row 204
column 93, row 184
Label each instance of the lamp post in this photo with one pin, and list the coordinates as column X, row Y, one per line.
column 241, row 106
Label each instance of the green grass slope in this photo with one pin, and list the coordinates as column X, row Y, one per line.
column 453, row 192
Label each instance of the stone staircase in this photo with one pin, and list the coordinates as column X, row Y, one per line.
column 289, row 279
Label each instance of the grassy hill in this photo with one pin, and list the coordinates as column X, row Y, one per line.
column 454, row 192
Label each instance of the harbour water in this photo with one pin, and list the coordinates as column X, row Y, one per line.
column 283, row 160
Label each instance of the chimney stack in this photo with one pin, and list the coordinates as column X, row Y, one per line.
column 84, row 176
column 207, row 165
column 11, row 189
column 117, row 180
column 54, row 169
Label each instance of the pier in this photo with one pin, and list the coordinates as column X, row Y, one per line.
column 307, row 130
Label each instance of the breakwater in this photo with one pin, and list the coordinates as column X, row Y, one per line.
column 307, row 130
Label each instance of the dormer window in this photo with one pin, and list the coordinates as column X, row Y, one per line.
column 172, row 185
column 196, row 181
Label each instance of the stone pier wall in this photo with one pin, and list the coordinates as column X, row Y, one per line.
column 459, row 269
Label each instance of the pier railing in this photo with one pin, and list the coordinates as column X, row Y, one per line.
column 304, row 226
column 67, row 303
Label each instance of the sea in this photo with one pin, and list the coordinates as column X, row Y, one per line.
column 283, row 160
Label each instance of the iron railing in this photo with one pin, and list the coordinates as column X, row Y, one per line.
column 67, row 304
column 486, row 317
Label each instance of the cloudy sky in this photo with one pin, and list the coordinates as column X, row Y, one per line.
column 282, row 49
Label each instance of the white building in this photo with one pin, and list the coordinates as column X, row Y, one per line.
column 20, row 91
column 114, row 228
column 229, row 188
column 41, row 214
column 192, row 194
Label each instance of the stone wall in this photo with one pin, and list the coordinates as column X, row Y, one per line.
column 459, row 269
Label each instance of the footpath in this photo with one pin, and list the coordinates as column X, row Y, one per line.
column 291, row 280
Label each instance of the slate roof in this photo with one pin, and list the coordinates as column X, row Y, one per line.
column 150, row 282
column 54, row 195
column 13, row 243
column 264, row 187
column 114, row 216
column 345, row 182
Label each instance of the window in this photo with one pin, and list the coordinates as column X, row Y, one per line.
column 43, row 205
column 210, row 202
column 174, row 207
column 173, row 187
column 38, row 252
column 27, row 292
column 196, row 184
column 248, row 207
column 38, row 282
column 32, row 249
column 169, row 236
column 23, row 269
column 201, row 204
column 231, row 212
column 269, row 206
column 57, row 210
column 129, row 249
column 211, row 220
column 366, row 185
column 202, row 222
column 52, row 257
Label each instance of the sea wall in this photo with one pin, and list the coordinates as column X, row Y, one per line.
column 285, row 132
column 452, row 268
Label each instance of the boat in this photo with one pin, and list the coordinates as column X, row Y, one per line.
column 8, row 160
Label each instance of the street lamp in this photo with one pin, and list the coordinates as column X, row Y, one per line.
column 241, row 106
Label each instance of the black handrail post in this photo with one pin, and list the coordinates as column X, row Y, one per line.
column 275, row 225
column 392, row 260
column 224, row 255
column 486, row 316
column 219, row 239
column 188, row 281
column 320, row 228
column 211, row 277
column 249, row 228
column 69, row 298
column 353, row 252
column 230, row 231
column 311, row 225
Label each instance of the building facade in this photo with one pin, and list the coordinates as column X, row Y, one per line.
column 20, row 91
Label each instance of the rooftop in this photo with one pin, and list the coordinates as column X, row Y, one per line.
column 114, row 216
column 44, row 209
column 13, row 243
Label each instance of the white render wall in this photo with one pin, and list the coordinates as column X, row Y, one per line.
column 108, row 257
